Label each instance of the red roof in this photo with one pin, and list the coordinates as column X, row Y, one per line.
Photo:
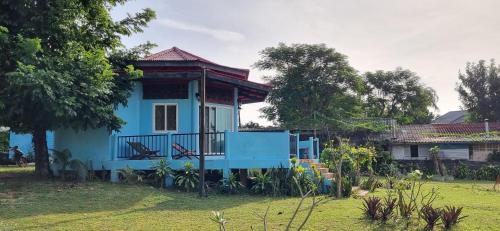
column 175, row 54
column 445, row 133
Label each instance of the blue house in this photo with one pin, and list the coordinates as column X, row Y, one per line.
column 162, row 121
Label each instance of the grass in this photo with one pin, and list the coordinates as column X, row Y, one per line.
column 26, row 204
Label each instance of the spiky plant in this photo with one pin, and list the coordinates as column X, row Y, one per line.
column 162, row 170
column 371, row 207
column 451, row 216
column 188, row 178
column 430, row 215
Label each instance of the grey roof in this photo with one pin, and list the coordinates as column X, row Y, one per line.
column 443, row 133
column 451, row 117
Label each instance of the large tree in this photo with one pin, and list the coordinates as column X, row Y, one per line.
column 479, row 90
column 56, row 70
column 313, row 86
column 400, row 95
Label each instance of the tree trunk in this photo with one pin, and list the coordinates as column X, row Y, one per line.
column 42, row 168
column 339, row 180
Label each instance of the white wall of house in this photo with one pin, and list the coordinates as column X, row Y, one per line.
column 454, row 152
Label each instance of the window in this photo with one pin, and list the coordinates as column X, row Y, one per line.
column 165, row 117
column 414, row 150
column 471, row 152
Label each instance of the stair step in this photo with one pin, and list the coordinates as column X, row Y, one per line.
column 327, row 175
column 323, row 170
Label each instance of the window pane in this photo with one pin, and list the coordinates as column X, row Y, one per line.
column 159, row 117
column 414, row 150
column 171, row 117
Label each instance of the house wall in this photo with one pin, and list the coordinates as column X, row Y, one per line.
column 481, row 151
column 258, row 149
column 25, row 143
column 448, row 151
column 90, row 146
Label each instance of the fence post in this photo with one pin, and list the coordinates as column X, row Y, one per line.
column 113, row 146
column 169, row 146
column 310, row 153
column 226, row 145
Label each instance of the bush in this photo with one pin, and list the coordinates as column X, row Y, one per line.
column 130, row 176
column 346, row 187
column 493, row 157
column 386, row 211
column 430, row 215
column 383, row 164
column 262, row 183
column 371, row 207
column 370, row 184
column 462, row 171
column 488, row 172
column 231, row 185
column 161, row 171
column 187, row 179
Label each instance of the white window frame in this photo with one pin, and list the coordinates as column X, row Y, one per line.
column 166, row 119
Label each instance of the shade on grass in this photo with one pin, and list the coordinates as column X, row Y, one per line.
column 28, row 204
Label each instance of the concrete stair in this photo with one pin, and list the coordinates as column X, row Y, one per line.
column 324, row 171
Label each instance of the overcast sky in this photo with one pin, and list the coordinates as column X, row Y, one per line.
column 432, row 38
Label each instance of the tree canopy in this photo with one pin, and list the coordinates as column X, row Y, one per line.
column 313, row 85
column 59, row 64
column 400, row 95
column 479, row 90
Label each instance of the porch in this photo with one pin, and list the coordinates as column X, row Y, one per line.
column 223, row 151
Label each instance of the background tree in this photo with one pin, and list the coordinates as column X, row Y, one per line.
column 313, row 86
column 400, row 95
column 479, row 90
column 57, row 67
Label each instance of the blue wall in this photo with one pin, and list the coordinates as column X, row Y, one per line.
column 91, row 145
column 258, row 149
column 25, row 143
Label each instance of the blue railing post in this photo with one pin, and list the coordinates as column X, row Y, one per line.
column 113, row 147
column 226, row 145
column 310, row 153
column 317, row 147
column 169, row 146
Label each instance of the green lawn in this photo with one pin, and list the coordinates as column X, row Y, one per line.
column 26, row 204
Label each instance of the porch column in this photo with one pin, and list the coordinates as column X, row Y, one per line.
column 195, row 107
column 236, row 119
column 310, row 153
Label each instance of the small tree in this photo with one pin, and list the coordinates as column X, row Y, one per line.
column 434, row 154
column 362, row 156
column 333, row 156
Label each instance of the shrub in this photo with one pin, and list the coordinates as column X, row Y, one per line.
column 451, row 216
column 488, row 172
column 346, row 187
column 162, row 170
column 262, row 183
column 281, row 181
column 230, row 185
column 188, row 178
column 386, row 211
column 371, row 184
column 463, row 171
column 130, row 176
column 494, row 156
column 430, row 215
column 371, row 207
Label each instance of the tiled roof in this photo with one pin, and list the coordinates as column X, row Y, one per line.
column 175, row 54
column 451, row 117
column 444, row 133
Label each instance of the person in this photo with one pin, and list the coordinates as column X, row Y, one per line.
column 19, row 158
